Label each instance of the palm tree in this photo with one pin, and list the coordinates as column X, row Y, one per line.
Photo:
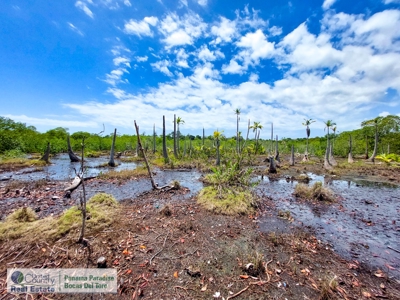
column 256, row 129
column 307, row 123
column 237, row 112
column 179, row 121
column 328, row 124
column 217, row 137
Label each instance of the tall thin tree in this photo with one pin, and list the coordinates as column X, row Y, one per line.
column 175, row 151
column 237, row 112
column 328, row 125
column 165, row 152
column 179, row 121
column 307, row 123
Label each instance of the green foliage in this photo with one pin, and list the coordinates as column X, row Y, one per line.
column 389, row 157
column 230, row 176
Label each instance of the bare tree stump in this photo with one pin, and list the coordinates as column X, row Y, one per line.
column 291, row 161
column 111, row 162
column 46, row 155
column 71, row 154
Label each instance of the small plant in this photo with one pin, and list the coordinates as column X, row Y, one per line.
column 328, row 287
column 315, row 192
column 255, row 267
column 23, row 214
column 103, row 199
column 229, row 191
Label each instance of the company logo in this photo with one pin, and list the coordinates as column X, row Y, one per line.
column 17, row 277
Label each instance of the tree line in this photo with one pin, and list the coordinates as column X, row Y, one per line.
column 380, row 135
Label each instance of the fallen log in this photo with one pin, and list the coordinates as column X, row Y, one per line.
column 74, row 185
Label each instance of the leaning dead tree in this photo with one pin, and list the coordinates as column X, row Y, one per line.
column 71, row 154
column 46, row 154
column 153, row 184
column 111, row 162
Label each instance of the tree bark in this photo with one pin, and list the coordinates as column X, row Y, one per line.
column 111, row 162
column 372, row 158
column 332, row 159
column 327, row 164
column 153, row 184
column 272, row 165
column 350, row 159
column 46, row 155
column 277, row 150
column 71, row 154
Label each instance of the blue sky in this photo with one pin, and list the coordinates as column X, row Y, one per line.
column 79, row 64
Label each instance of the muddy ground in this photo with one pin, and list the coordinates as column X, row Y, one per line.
column 165, row 246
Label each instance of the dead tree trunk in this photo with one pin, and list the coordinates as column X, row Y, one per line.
column 350, row 156
column 272, row 165
column 154, row 138
column 291, row 161
column 327, row 164
column 83, row 196
column 46, row 155
column 203, row 137
column 153, row 184
column 277, row 150
column 164, row 142
column 175, row 152
column 111, row 162
column 332, row 159
column 71, row 153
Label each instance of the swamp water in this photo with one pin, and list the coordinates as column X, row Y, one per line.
column 361, row 226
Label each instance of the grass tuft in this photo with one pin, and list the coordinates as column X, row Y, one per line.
column 22, row 215
column 315, row 192
column 101, row 211
column 227, row 202
column 125, row 174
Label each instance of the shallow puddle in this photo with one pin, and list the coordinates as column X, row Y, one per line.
column 362, row 225
column 61, row 168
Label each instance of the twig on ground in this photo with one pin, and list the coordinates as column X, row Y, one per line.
column 238, row 293
column 159, row 251
column 398, row 251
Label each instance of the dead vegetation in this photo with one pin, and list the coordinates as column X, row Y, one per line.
column 24, row 224
column 183, row 252
column 316, row 192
